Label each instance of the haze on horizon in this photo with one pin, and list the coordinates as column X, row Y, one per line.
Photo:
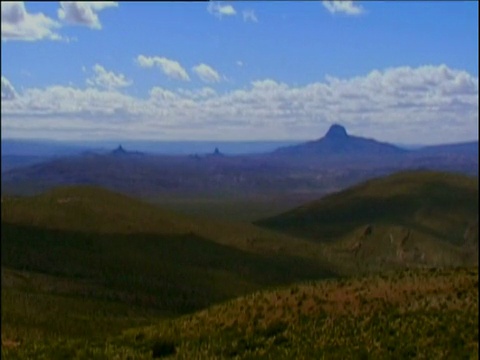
column 402, row 72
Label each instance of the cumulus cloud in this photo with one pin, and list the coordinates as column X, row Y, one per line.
column 219, row 10
column 203, row 93
column 427, row 104
column 343, row 6
column 249, row 15
column 8, row 91
column 206, row 73
column 83, row 12
column 18, row 24
column 171, row 68
column 107, row 79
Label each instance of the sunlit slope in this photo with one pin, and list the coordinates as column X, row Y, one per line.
column 90, row 209
column 409, row 218
column 410, row 314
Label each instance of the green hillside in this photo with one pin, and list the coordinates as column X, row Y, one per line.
column 171, row 263
column 421, row 314
column 90, row 209
column 422, row 218
column 86, row 209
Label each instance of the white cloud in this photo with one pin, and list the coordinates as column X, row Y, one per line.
column 206, row 73
column 8, row 91
column 18, row 24
column 83, row 12
column 239, row 63
column 427, row 104
column 203, row 93
column 249, row 15
column 219, row 10
column 171, row 68
column 107, row 79
column 343, row 6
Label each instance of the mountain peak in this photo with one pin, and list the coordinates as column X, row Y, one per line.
column 336, row 132
column 217, row 152
column 119, row 150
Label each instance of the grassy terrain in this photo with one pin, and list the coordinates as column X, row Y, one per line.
column 410, row 218
column 82, row 262
column 174, row 273
column 233, row 208
column 421, row 314
column 91, row 274
column 95, row 210
column 437, row 202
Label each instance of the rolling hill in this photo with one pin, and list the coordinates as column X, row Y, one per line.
column 81, row 264
column 409, row 217
column 172, row 263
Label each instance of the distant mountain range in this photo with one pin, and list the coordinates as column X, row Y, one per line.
column 466, row 149
column 328, row 164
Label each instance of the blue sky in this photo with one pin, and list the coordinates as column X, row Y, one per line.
column 405, row 72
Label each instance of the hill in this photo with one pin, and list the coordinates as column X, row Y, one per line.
column 170, row 262
column 82, row 264
column 408, row 314
column 409, row 217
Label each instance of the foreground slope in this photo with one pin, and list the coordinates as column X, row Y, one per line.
column 424, row 314
column 409, row 217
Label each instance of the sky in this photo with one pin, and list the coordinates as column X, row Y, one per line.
column 402, row 72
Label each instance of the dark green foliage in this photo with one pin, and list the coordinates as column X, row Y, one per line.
column 162, row 348
column 395, row 199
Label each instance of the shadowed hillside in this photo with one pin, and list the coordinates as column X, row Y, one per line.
column 170, row 262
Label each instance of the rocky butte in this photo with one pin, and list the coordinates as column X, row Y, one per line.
column 337, row 142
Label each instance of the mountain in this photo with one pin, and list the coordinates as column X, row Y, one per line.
column 120, row 151
column 309, row 170
column 337, row 142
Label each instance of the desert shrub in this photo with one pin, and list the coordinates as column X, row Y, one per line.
column 275, row 328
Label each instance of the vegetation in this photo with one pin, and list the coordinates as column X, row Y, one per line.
column 387, row 269
column 407, row 219
column 410, row 314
